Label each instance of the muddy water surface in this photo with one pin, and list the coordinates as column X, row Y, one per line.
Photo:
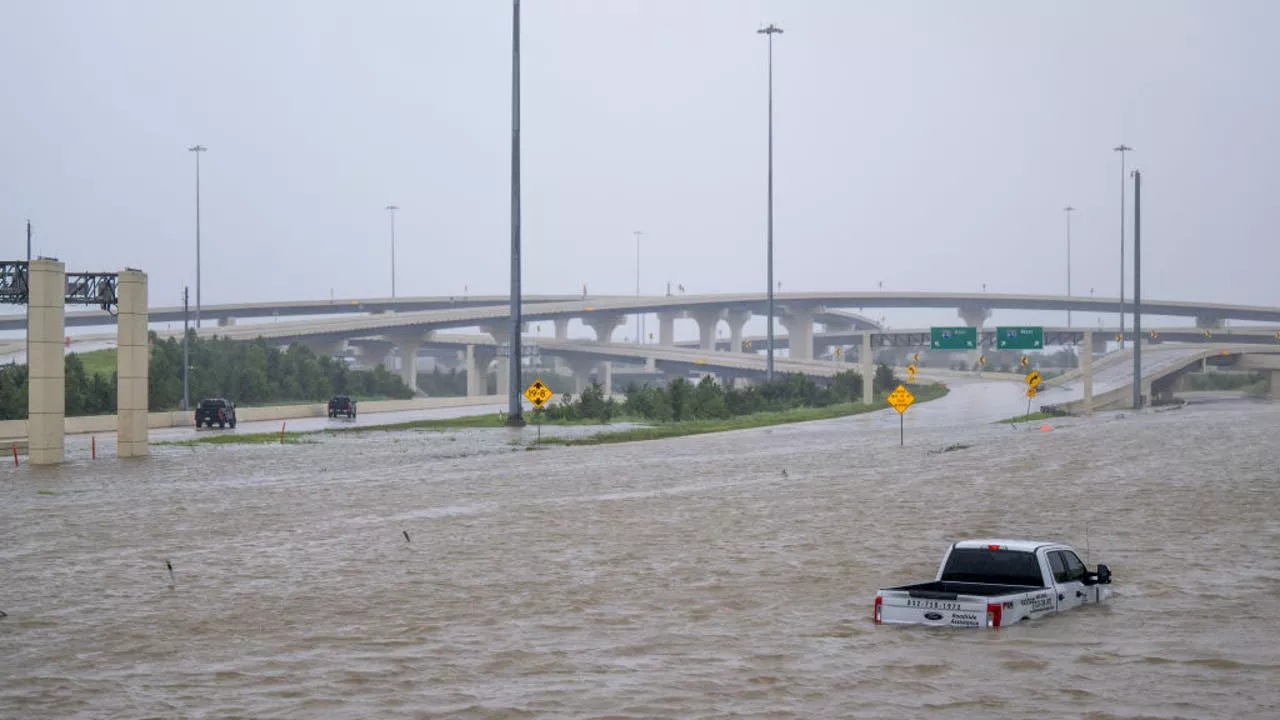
column 686, row 578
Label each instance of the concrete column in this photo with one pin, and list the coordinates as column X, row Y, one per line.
column 708, row 321
column 581, row 374
column 799, row 325
column 562, row 328
column 407, row 348
column 868, row 369
column 666, row 328
column 1086, row 366
column 736, row 319
column 476, row 376
column 502, row 336
column 604, row 325
column 132, row 363
column 974, row 316
column 46, row 383
column 604, row 375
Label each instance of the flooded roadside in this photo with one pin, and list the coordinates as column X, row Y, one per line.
column 688, row 577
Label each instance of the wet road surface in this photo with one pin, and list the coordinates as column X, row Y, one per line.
column 687, row 578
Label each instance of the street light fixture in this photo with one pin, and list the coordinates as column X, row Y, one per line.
column 1122, row 149
column 1068, row 210
column 770, row 31
column 391, row 210
column 197, row 149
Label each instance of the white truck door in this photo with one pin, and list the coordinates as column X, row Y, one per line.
column 1068, row 577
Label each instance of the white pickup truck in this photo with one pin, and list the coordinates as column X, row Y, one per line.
column 994, row 583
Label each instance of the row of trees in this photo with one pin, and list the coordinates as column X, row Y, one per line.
column 247, row 373
column 680, row 399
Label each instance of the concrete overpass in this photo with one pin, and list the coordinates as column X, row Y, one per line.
column 1162, row 366
column 973, row 308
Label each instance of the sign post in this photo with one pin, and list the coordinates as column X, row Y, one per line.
column 901, row 399
column 538, row 393
column 1033, row 381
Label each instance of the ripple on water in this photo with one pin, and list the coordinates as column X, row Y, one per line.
column 685, row 578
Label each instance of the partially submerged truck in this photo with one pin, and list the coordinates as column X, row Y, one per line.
column 996, row 583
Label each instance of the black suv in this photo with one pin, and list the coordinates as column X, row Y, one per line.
column 342, row 405
column 216, row 410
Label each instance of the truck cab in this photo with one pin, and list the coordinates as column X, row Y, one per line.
column 995, row 583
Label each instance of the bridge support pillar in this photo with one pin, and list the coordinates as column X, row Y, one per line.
column 737, row 319
column 666, row 328
column 1208, row 321
column 477, row 369
column 708, row 321
column 407, row 348
column 974, row 316
column 326, row 348
column 374, row 353
column 562, row 328
column 604, row 325
column 868, row 369
column 799, row 325
column 46, row 379
column 1086, row 367
column 502, row 336
column 132, row 363
column 604, row 375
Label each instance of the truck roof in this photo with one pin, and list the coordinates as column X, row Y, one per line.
column 1015, row 545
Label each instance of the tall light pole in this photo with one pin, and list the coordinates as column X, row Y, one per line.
column 391, row 210
column 639, row 315
column 1122, row 149
column 197, row 149
column 1137, row 289
column 515, row 408
column 770, row 31
column 1068, row 210
column 186, row 358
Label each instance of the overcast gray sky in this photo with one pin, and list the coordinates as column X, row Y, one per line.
column 930, row 145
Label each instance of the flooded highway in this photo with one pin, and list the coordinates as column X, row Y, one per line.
column 724, row 575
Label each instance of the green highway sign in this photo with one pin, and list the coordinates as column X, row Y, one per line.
column 953, row 338
column 1019, row 338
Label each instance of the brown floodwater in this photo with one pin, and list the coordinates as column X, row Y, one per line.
column 727, row 575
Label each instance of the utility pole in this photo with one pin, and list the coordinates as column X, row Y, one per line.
column 1137, row 289
column 515, row 408
column 186, row 356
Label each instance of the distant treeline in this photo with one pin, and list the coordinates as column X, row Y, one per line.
column 245, row 372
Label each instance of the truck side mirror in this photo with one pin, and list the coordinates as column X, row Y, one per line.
column 1104, row 574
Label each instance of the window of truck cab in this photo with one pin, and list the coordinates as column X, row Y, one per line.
column 1066, row 566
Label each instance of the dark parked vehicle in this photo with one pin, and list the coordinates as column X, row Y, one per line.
column 216, row 410
column 342, row 405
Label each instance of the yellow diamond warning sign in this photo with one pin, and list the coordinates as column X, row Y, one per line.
column 538, row 393
column 901, row 399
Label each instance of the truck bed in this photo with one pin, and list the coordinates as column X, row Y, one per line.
column 949, row 590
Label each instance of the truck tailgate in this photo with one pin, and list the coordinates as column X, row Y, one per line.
column 895, row 606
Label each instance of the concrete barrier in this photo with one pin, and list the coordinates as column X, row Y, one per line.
column 100, row 424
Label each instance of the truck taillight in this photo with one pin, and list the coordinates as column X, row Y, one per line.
column 878, row 601
column 993, row 615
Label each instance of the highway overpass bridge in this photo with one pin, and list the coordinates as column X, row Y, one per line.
column 604, row 314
